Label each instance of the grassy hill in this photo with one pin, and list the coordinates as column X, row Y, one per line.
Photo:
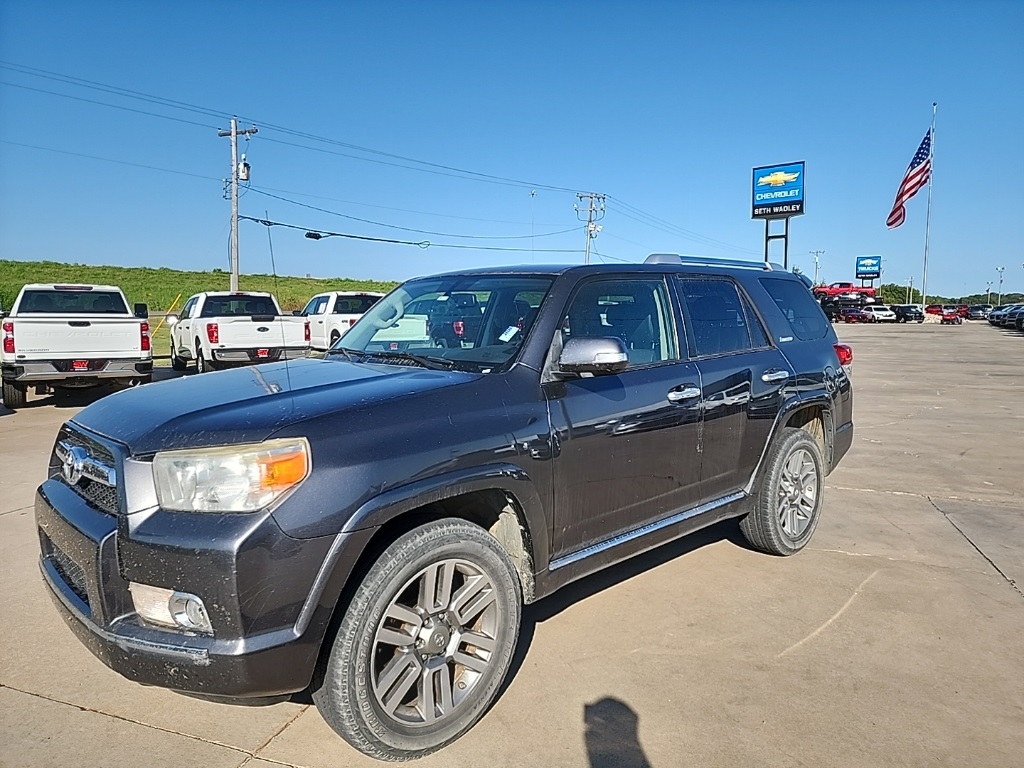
column 159, row 287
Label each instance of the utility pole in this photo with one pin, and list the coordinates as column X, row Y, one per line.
column 234, row 133
column 1000, row 270
column 910, row 289
column 595, row 212
column 816, row 254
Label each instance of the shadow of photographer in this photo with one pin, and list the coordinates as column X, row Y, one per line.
column 611, row 735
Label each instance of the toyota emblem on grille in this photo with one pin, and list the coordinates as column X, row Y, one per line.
column 74, row 464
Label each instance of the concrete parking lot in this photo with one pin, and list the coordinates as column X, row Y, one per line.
column 894, row 639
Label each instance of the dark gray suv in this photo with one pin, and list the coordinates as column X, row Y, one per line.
column 369, row 526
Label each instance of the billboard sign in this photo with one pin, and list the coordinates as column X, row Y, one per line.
column 869, row 267
column 778, row 191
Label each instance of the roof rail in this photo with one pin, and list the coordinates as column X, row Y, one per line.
column 707, row 261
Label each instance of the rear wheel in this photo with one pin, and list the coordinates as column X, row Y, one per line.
column 14, row 395
column 334, row 337
column 787, row 503
column 424, row 644
column 202, row 364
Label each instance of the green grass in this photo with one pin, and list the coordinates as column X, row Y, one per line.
column 159, row 287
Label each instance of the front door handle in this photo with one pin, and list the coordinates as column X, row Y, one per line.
column 775, row 375
column 683, row 393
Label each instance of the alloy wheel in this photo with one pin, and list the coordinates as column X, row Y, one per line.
column 798, row 493
column 435, row 642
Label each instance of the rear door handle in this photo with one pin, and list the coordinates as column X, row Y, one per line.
column 775, row 375
column 683, row 393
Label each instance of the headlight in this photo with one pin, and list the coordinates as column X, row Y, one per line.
column 235, row 478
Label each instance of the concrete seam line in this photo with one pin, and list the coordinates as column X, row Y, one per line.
column 248, row 754
column 996, row 502
column 19, row 509
column 900, row 560
column 833, row 618
column 977, row 549
column 279, row 731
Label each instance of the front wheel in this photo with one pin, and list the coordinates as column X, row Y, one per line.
column 424, row 644
column 787, row 503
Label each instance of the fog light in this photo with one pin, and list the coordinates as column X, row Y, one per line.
column 167, row 608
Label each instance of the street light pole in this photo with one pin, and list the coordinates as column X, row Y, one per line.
column 1000, row 270
column 910, row 288
column 988, row 292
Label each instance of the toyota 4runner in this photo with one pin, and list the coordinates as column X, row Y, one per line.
column 370, row 525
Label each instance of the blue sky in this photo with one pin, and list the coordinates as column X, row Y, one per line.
column 663, row 106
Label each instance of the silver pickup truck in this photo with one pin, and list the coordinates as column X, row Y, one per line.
column 64, row 336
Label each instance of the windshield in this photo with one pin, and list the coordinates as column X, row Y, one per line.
column 471, row 322
column 63, row 300
column 230, row 306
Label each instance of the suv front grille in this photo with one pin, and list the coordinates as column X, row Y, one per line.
column 71, row 572
column 90, row 480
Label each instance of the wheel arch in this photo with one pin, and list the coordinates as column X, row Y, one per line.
column 813, row 415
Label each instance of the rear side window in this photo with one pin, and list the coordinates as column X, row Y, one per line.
column 804, row 314
column 354, row 305
column 717, row 316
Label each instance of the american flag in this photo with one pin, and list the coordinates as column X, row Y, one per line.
column 915, row 178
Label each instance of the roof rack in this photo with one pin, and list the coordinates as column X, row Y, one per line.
column 707, row 261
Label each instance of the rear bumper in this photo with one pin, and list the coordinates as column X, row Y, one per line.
column 44, row 371
column 252, row 355
column 266, row 638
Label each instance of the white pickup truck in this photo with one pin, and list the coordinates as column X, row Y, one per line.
column 331, row 314
column 65, row 336
column 235, row 328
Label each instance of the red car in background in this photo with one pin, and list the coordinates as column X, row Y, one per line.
column 951, row 316
column 933, row 309
column 854, row 315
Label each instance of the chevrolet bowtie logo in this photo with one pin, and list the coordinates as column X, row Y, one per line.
column 777, row 179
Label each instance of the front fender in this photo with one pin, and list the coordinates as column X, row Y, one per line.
column 503, row 477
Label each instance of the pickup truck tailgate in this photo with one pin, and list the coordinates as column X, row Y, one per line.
column 80, row 337
column 256, row 331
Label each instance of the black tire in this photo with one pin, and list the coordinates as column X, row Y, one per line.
column 14, row 396
column 769, row 528
column 202, row 364
column 334, row 338
column 343, row 687
column 177, row 363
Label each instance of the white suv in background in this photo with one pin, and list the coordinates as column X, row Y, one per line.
column 881, row 313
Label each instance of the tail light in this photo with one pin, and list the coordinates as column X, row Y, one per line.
column 306, row 332
column 9, row 338
column 144, row 330
column 459, row 327
column 351, row 322
column 213, row 333
column 845, row 354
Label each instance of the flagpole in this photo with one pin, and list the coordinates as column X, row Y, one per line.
column 928, row 216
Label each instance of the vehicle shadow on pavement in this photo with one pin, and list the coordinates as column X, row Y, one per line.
column 79, row 398
column 611, row 735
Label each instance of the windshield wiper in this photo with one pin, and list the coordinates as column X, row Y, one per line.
column 349, row 353
column 434, row 363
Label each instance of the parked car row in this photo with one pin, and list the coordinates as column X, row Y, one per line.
column 1008, row 316
column 874, row 313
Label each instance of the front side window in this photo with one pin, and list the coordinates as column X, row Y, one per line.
column 468, row 322
column 637, row 311
column 317, row 306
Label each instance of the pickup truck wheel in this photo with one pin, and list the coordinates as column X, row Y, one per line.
column 424, row 644
column 177, row 363
column 334, row 338
column 14, row 396
column 788, row 502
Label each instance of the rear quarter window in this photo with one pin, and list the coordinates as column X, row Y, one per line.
column 804, row 314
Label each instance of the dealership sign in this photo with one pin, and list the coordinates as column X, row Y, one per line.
column 869, row 267
column 778, row 191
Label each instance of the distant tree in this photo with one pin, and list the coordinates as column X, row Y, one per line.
column 892, row 293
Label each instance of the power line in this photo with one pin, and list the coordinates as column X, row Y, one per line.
column 641, row 216
column 110, row 160
column 318, row 234
column 259, row 191
column 107, row 104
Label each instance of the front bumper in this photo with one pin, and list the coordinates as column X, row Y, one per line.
column 270, row 597
column 42, row 371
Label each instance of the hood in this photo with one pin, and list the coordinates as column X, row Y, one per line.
column 250, row 404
